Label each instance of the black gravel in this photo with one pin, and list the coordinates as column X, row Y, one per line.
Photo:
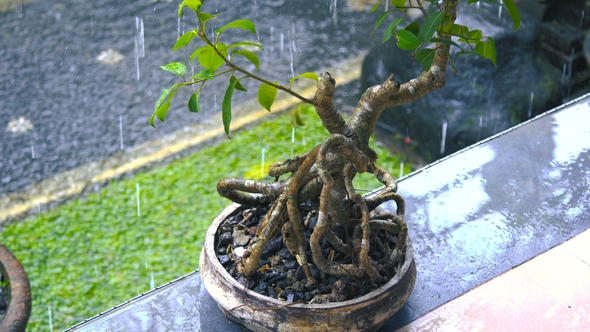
column 279, row 275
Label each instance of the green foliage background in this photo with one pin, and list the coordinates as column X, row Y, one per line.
column 96, row 252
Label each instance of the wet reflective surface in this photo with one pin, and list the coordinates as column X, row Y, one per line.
column 471, row 216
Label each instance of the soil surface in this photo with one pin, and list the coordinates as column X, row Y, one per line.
column 280, row 276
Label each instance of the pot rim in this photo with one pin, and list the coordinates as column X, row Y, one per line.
column 209, row 250
column 19, row 307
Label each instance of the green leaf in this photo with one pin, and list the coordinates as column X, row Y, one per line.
column 413, row 28
column 162, row 96
column 192, row 4
column 380, row 19
column 392, row 25
column 513, row 11
column 210, row 60
column 398, row 3
column 456, row 30
column 205, row 17
column 425, row 57
column 239, row 24
column 472, row 37
column 177, row 68
column 297, row 116
column 309, row 75
column 238, row 44
column 226, row 106
column 203, row 75
column 486, row 49
column 430, row 26
column 197, row 52
column 152, row 118
column 266, row 95
column 163, row 109
column 407, row 40
column 375, row 6
column 184, row 40
column 251, row 56
column 237, row 83
column 193, row 103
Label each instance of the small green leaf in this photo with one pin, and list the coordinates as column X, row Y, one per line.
column 472, row 37
column 456, row 30
column 267, row 95
column 486, row 49
column 430, row 26
column 309, row 75
column 375, row 6
column 162, row 96
column 210, row 60
column 192, row 4
column 205, row 17
column 237, row 83
column 398, row 3
column 184, row 40
column 177, row 68
column 380, row 19
column 163, row 109
column 203, row 75
column 407, row 40
column 413, row 28
column 392, row 25
column 251, row 56
column 197, row 52
column 239, row 24
column 226, row 106
column 238, row 44
column 425, row 57
column 513, row 11
column 193, row 103
column 297, row 116
column 152, row 118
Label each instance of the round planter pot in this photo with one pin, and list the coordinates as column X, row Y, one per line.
column 261, row 313
column 19, row 293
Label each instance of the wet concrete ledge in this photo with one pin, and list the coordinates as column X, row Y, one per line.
column 472, row 216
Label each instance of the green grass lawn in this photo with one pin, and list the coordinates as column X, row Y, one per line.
column 96, row 252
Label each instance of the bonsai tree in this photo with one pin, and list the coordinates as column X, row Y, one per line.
column 325, row 174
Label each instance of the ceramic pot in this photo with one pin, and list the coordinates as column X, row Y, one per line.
column 19, row 293
column 262, row 313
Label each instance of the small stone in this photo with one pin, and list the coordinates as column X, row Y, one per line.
column 315, row 272
column 224, row 259
column 282, row 284
column 225, row 239
column 285, row 254
column 300, row 274
column 290, row 265
column 240, row 238
column 308, row 296
column 252, row 230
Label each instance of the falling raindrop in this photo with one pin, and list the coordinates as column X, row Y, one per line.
column 152, row 283
column 563, row 74
column 139, row 50
column 32, row 149
column 271, row 42
column 91, row 26
column 291, row 64
column 444, row 138
column 96, row 270
column 500, row 9
column 137, row 199
column 282, row 42
column 50, row 318
column 121, row 132
column 334, row 9
column 531, row 103
column 401, row 169
column 292, row 139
